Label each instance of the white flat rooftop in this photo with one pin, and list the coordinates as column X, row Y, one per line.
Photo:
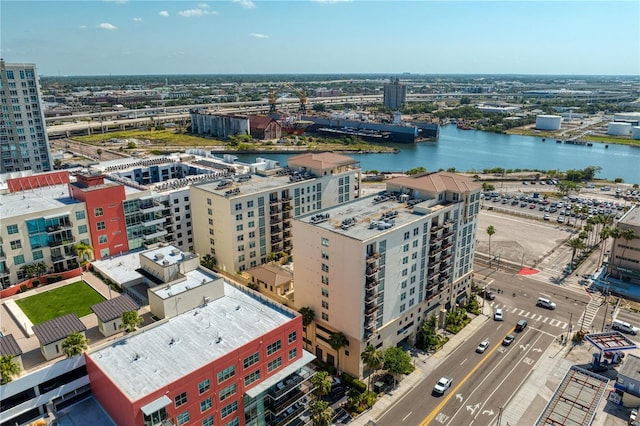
column 156, row 356
column 169, row 253
column 256, row 184
column 192, row 279
column 121, row 269
column 35, row 200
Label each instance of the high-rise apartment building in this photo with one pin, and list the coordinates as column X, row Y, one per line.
column 376, row 267
column 24, row 144
column 395, row 94
column 246, row 221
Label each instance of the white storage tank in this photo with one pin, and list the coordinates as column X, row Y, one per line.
column 635, row 132
column 548, row 122
column 619, row 129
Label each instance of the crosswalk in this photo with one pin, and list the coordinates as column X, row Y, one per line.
column 532, row 317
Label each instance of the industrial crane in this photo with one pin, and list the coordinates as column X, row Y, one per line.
column 273, row 93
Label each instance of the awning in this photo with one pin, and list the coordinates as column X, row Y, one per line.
column 156, row 405
column 281, row 375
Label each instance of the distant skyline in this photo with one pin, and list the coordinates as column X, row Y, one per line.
column 137, row 37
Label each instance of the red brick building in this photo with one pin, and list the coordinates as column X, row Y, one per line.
column 264, row 127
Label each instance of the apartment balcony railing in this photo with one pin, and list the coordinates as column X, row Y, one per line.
column 434, row 248
column 275, row 239
column 371, row 283
column 156, row 234
column 448, row 234
column 275, row 218
column 60, row 227
column 446, row 245
column 372, row 257
column 287, row 215
column 57, row 243
column 276, row 247
column 435, row 229
column 371, row 271
column 276, row 229
column 273, row 201
column 286, row 224
column 275, row 210
column 287, row 246
column 154, row 221
column 370, row 310
column 287, row 235
column 151, row 208
column 3, row 256
column 371, row 293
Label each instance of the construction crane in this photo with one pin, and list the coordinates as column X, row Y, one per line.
column 273, row 93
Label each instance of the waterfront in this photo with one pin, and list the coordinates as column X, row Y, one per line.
column 468, row 150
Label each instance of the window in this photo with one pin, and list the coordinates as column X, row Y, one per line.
column 205, row 405
column 250, row 204
column 102, row 239
column 100, row 226
column 239, row 228
column 251, row 360
column 325, row 316
column 204, row 386
column 239, row 216
column 82, row 229
column 180, row 399
column 228, row 391
column 325, row 280
column 238, row 206
column 37, row 255
column 325, row 242
column 229, row 409
column 407, row 235
column 325, row 267
column 80, row 215
column 325, row 255
column 15, row 244
column 98, row 212
column 292, row 337
column 234, row 422
column 208, row 421
column 12, row 229
column 276, row 363
column 274, row 347
column 325, row 304
column 18, row 260
column 208, row 201
column 251, row 378
column 325, row 292
column 293, row 353
column 227, row 373
column 182, row 418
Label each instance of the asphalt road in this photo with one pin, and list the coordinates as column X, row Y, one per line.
column 483, row 383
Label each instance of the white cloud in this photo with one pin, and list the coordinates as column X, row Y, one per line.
column 199, row 11
column 107, row 26
column 137, row 19
column 331, row 1
column 164, row 13
column 247, row 4
column 258, row 35
column 82, row 27
column 203, row 6
column 117, row 1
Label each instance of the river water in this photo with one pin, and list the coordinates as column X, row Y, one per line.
column 468, row 150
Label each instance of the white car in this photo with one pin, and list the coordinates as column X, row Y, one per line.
column 443, row 384
column 482, row 346
column 497, row 315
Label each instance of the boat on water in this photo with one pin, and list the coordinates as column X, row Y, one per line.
column 463, row 126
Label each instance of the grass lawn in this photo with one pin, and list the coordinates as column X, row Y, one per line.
column 77, row 297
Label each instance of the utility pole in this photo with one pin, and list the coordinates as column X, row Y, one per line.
column 606, row 307
column 499, row 417
column 569, row 329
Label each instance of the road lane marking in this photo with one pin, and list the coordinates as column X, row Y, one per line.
column 408, row 414
column 452, row 392
column 463, row 361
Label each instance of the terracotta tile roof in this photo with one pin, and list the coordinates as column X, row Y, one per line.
column 271, row 274
column 437, row 182
column 322, row 160
column 9, row 346
column 58, row 328
column 111, row 309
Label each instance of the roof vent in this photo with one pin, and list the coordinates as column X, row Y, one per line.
column 165, row 262
column 238, row 308
column 218, row 339
column 172, row 342
column 175, row 252
column 136, row 357
column 158, row 256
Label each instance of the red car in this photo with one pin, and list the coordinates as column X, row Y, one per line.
column 532, row 206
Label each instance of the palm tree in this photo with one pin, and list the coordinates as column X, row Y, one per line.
column 338, row 341
column 575, row 244
column 372, row 358
column 490, row 231
column 321, row 382
column 130, row 321
column 308, row 315
column 39, row 268
column 84, row 251
column 74, row 344
column 8, row 369
column 614, row 233
column 321, row 413
column 588, row 228
column 208, row 261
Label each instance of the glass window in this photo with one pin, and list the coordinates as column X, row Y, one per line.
column 274, row 347
column 292, row 337
column 228, row 391
column 102, row 239
column 18, row 260
column 100, row 226
column 37, row 255
column 229, row 409
column 204, row 386
column 82, row 229
column 15, row 244
column 208, row 421
column 205, row 405
column 80, row 215
column 227, row 373
column 325, row 242
column 293, row 353
column 182, row 418
column 12, row 229
column 98, row 212
column 252, row 377
column 251, row 360
column 272, row 365
column 180, row 399
column 234, row 422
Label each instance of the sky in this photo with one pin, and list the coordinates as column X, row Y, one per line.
column 137, row 37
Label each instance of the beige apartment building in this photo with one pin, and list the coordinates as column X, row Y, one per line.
column 624, row 261
column 376, row 267
column 245, row 221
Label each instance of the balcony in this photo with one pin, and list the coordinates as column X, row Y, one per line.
column 372, row 257
column 276, row 230
column 370, row 271
column 448, row 234
column 273, row 201
column 275, row 239
column 2, row 255
column 371, row 293
column 58, row 242
column 287, row 246
column 286, row 215
column 60, row 227
column 286, row 224
column 435, row 229
column 274, row 210
column 434, row 248
column 275, row 218
column 276, row 248
column 287, row 198
column 59, row 257
column 153, row 235
column 371, row 310
column 151, row 208
column 371, row 283
column 155, row 221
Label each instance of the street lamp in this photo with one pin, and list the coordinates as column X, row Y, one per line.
column 569, row 329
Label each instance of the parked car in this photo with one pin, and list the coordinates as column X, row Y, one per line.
column 508, row 340
column 443, row 384
column 482, row 346
column 547, row 217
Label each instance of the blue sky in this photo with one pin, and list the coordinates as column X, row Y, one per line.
column 266, row 37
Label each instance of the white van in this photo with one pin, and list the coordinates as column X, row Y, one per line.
column 625, row 327
column 545, row 303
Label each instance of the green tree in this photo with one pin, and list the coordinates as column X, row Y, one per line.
column 74, row 344
column 566, row 186
column 397, row 362
column 9, row 368
column 338, row 341
column 491, row 230
column 373, row 359
column 321, row 382
column 57, row 163
column 208, row 261
column 486, row 187
column 415, row 171
column 628, row 234
column 321, row 413
column 575, row 244
column 99, row 152
column 130, row 321
column 319, row 107
column 308, row 315
column 84, row 251
column 432, row 341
